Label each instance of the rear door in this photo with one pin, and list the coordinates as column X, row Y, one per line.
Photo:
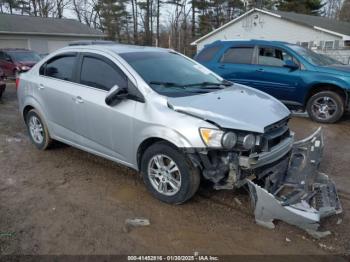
column 235, row 64
column 105, row 129
column 273, row 77
column 58, row 94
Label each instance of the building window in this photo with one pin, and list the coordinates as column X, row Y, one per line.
column 328, row 45
column 336, row 44
column 305, row 44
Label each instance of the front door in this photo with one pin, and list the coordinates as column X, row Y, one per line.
column 6, row 64
column 104, row 129
column 273, row 77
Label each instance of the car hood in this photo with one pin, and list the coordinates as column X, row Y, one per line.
column 27, row 63
column 336, row 69
column 237, row 107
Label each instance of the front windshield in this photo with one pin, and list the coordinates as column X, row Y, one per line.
column 25, row 56
column 314, row 58
column 170, row 74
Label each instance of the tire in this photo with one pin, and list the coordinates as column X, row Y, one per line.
column 187, row 177
column 37, row 129
column 323, row 102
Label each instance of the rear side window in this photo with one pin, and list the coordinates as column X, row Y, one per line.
column 60, row 67
column 101, row 74
column 238, row 55
column 207, row 54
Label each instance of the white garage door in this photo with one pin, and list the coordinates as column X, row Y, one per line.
column 54, row 45
column 13, row 43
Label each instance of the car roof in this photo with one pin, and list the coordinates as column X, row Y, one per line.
column 251, row 41
column 118, row 48
column 15, row 50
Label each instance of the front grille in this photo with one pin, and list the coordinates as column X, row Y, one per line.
column 275, row 134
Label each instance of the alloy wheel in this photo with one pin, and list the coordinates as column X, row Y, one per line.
column 164, row 175
column 36, row 129
column 324, row 108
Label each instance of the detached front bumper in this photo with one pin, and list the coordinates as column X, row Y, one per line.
column 296, row 192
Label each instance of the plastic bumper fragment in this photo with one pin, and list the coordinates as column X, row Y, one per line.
column 303, row 196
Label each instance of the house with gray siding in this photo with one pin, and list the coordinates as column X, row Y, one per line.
column 42, row 35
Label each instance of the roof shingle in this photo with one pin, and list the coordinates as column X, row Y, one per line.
column 319, row 21
column 39, row 25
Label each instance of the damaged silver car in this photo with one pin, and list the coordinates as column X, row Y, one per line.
column 176, row 122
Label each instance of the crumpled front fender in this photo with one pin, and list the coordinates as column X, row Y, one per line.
column 303, row 196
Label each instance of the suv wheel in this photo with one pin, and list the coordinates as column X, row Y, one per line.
column 325, row 107
column 168, row 174
column 37, row 130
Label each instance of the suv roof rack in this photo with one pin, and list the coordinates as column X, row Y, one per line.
column 91, row 42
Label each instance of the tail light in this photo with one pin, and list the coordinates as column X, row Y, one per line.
column 17, row 82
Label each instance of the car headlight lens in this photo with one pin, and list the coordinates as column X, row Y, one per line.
column 248, row 141
column 211, row 137
column 25, row 68
column 229, row 140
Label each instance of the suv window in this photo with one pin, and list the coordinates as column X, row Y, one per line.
column 60, row 67
column 238, row 55
column 2, row 55
column 270, row 56
column 101, row 74
column 207, row 54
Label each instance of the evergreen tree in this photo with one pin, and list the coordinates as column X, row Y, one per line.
column 113, row 17
column 345, row 11
column 309, row 7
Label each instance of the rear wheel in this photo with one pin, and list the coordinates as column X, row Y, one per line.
column 168, row 174
column 37, row 130
column 325, row 107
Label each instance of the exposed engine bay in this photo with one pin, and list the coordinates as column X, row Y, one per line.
column 290, row 188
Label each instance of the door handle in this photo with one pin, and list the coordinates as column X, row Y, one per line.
column 260, row 70
column 78, row 100
column 41, row 86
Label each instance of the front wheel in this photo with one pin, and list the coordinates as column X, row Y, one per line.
column 325, row 107
column 168, row 174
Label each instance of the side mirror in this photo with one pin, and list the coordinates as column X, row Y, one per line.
column 291, row 65
column 8, row 59
column 116, row 94
column 51, row 71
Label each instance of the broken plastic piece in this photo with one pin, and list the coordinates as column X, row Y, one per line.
column 303, row 196
column 137, row 222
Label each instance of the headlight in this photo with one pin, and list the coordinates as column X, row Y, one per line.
column 25, row 68
column 211, row 137
column 229, row 140
column 248, row 141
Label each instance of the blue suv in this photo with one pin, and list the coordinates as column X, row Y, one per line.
column 299, row 77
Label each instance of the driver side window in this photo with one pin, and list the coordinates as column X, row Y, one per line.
column 270, row 56
column 101, row 73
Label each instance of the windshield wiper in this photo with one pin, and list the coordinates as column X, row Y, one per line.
column 211, row 84
column 167, row 84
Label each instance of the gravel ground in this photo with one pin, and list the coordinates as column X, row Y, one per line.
column 66, row 201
